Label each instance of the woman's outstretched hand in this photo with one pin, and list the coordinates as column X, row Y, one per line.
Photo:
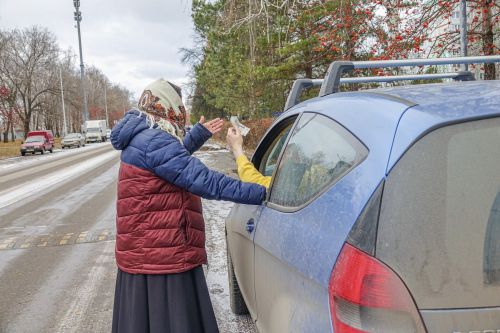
column 214, row 125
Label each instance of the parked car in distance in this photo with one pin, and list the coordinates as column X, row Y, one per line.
column 34, row 144
column 73, row 140
column 38, row 141
column 383, row 213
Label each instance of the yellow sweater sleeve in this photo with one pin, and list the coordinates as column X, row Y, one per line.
column 249, row 174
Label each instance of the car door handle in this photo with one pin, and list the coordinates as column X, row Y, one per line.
column 250, row 226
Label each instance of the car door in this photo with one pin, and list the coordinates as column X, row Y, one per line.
column 242, row 220
column 293, row 223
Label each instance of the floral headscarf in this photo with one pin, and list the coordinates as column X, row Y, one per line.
column 163, row 104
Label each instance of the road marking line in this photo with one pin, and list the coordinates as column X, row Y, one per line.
column 30, row 241
column 9, row 240
column 81, row 237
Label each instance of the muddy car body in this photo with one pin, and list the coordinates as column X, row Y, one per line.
column 383, row 214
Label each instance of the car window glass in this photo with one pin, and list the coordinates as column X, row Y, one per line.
column 271, row 156
column 319, row 152
column 35, row 139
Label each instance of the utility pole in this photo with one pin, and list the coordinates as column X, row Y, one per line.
column 463, row 31
column 106, row 105
column 62, row 98
column 78, row 19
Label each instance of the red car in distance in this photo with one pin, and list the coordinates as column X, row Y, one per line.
column 38, row 141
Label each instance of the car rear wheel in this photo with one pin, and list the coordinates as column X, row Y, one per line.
column 51, row 150
column 23, row 153
column 43, row 151
column 236, row 300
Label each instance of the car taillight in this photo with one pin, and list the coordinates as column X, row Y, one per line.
column 366, row 296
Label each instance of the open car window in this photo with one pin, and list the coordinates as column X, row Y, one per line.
column 271, row 156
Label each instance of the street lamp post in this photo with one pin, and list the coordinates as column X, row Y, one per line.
column 62, row 98
column 106, row 105
column 463, row 31
column 78, row 19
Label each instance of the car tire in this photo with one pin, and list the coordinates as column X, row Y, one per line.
column 24, row 154
column 51, row 150
column 236, row 300
column 43, row 151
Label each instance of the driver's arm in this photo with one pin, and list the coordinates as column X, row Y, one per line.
column 249, row 174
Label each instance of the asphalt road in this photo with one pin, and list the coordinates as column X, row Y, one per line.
column 57, row 267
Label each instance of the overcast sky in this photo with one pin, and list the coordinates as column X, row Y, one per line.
column 132, row 42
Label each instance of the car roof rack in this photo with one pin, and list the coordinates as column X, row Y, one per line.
column 333, row 78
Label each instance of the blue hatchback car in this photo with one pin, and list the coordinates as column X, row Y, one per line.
column 383, row 214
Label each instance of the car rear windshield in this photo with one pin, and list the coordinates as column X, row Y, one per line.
column 439, row 226
column 93, row 130
column 71, row 136
column 35, row 139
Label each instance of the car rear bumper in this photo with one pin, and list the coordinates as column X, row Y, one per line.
column 72, row 144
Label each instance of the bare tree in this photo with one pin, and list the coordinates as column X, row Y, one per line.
column 27, row 65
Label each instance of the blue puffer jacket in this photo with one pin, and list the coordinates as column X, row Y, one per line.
column 159, row 152
column 160, row 228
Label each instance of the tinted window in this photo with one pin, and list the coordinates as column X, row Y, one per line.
column 319, row 152
column 439, row 226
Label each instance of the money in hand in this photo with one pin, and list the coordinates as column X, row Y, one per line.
column 236, row 123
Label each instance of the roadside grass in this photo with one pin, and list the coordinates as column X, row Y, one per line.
column 12, row 149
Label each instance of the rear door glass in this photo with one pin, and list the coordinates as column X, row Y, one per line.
column 319, row 152
column 439, row 226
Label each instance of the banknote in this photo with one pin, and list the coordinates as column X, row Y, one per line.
column 236, row 123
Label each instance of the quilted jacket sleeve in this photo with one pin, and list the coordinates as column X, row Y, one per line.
column 196, row 137
column 170, row 160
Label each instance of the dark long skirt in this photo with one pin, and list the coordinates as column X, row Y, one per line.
column 170, row 303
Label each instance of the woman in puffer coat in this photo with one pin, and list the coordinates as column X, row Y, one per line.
column 160, row 241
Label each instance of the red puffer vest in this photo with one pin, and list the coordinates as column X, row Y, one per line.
column 160, row 227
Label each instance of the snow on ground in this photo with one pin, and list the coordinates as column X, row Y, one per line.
column 27, row 189
column 215, row 213
column 29, row 160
